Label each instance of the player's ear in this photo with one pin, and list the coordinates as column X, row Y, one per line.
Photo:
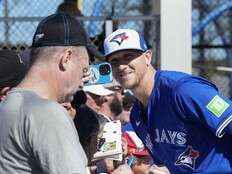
column 65, row 59
column 148, row 57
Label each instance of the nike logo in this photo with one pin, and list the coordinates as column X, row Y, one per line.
column 137, row 123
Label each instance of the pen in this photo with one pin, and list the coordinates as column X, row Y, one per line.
column 101, row 142
column 131, row 160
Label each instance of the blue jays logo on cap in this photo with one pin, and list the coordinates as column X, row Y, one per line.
column 119, row 38
column 188, row 158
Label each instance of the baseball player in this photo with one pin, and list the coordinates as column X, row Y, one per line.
column 183, row 120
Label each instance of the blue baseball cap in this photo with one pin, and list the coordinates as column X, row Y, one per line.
column 124, row 39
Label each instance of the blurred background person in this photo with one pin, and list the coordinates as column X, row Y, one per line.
column 12, row 71
column 70, row 7
column 117, row 103
column 127, row 102
column 103, row 101
column 89, row 126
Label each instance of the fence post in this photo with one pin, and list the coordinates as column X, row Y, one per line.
column 176, row 37
column 108, row 27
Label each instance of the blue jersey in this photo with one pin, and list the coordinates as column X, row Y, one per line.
column 183, row 124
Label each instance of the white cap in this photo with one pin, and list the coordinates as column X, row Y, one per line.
column 98, row 90
column 124, row 39
column 112, row 85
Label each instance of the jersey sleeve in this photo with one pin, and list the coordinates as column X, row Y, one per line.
column 199, row 100
column 55, row 142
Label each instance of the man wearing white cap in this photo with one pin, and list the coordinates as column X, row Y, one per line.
column 174, row 111
column 103, row 101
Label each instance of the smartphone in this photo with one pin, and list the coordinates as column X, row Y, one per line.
column 100, row 74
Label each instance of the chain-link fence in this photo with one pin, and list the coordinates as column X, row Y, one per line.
column 19, row 18
column 212, row 32
column 211, row 41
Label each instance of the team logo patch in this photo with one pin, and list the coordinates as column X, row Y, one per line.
column 217, row 106
column 119, row 38
column 188, row 158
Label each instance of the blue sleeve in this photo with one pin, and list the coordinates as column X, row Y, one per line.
column 228, row 128
column 199, row 100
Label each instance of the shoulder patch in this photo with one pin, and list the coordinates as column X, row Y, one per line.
column 217, row 106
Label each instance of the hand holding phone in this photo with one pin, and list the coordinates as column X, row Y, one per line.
column 100, row 74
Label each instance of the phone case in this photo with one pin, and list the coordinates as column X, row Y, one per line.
column 99, row 75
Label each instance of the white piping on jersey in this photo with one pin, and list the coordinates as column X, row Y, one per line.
column 219, row 132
